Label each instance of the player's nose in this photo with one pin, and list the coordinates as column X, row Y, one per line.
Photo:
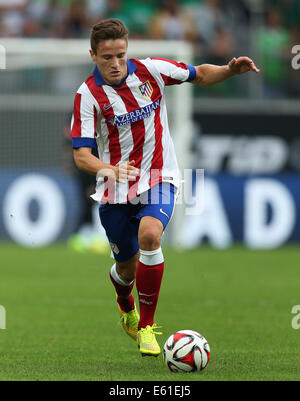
column 115, row 63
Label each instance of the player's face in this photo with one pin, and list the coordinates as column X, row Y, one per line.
column 111, row 60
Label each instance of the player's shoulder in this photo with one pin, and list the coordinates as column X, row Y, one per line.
column 86, row 88
column 152, row 60
column 137, row 62
column 146, row 64
column 144, row 61
column 90, row 80
column 88, row 92
column 162, row 63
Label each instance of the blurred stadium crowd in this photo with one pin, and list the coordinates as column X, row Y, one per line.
column 217, row 29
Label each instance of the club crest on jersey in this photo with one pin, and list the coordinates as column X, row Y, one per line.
column 114, row 248
column 146, row 89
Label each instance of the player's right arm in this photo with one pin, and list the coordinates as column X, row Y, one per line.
column 84, row 122
column 86, row 161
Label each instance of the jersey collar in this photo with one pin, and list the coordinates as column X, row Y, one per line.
column 131, row 67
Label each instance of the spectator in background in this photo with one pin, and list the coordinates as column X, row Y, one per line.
column 52, row 19
column 288, row 9
column 273, row 44
column 215, row 40
column 12, row 17
column 31, row 27
column 135, row 14
column 173, row 23
column 221, row 48
column 215, row 43
column 293, row 77
column 96, row 9
column 238, row 21
column 140, row 12
column 76, row 23
column 115, row 9
column 44, row 19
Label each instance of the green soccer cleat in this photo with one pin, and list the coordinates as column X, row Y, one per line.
column 130, row 322
column 146, row 340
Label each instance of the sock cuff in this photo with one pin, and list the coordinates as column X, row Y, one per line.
column 151, row 258
column 114, row 274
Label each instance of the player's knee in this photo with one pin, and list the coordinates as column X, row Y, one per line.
column 149, row 239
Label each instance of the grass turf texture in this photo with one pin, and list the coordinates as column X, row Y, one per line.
column 62, row 316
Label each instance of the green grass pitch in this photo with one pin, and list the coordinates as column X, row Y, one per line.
column 61, row 315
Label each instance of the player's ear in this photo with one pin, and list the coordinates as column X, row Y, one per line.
column 93, row 55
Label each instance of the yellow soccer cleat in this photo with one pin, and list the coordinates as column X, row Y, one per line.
column 146, row 340
column 130, row 322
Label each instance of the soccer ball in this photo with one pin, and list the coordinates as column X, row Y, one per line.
column 186, row 351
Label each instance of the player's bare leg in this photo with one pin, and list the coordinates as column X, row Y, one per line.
column 150, row 232
column 127, row 270
column 148, row 280
column 122, row 275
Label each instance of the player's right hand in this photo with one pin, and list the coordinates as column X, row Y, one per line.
column 127, row 172
column 122, row 173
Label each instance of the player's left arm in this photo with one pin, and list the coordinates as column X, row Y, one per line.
column 209, row 74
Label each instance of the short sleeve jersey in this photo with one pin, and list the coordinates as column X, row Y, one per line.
column 129, row 122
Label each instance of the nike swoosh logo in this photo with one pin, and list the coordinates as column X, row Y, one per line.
column 109, row 106
column 147, row 295
column 161, row 211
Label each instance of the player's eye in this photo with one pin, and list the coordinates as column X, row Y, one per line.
column 122, row 55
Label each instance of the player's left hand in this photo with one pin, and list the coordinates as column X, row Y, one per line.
column 241, row 65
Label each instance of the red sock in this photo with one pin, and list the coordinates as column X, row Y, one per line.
column 148, row 281
column 125, row 298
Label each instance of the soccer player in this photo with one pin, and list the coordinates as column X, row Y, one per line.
column 121, row 110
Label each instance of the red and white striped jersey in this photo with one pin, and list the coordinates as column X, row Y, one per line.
column 129, row 122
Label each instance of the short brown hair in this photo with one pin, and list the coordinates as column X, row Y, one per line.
column 107, row 29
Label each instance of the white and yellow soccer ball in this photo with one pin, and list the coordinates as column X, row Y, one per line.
column 186, row 351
